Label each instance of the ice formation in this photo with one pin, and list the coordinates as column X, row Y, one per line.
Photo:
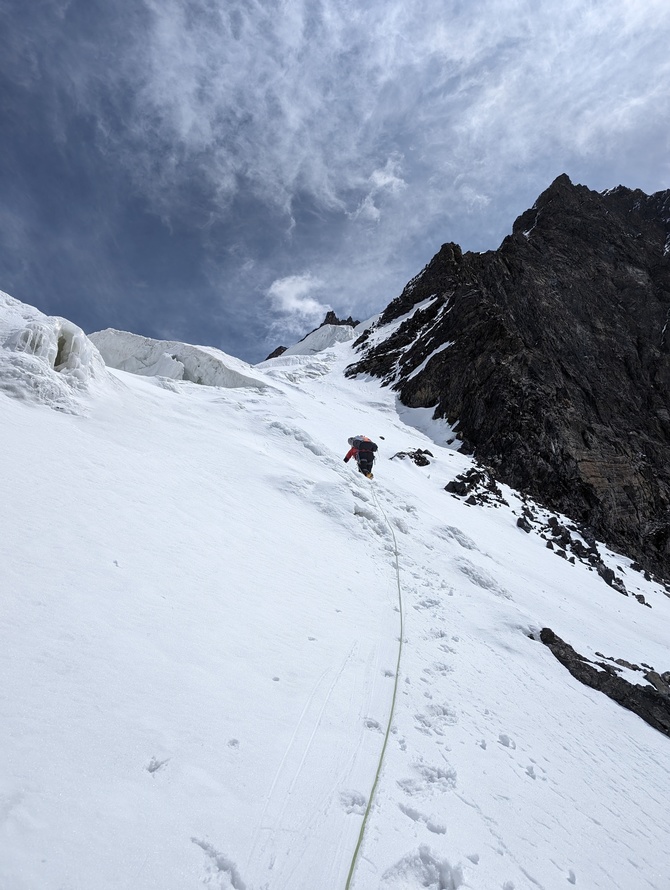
column 45, row 359
column 179, row 361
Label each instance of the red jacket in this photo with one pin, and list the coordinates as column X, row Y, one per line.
column 353, row 452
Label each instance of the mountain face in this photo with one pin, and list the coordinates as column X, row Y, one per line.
column 230, row 660
column 551, row 357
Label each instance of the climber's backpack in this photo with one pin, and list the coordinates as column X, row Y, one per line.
column 362, row 443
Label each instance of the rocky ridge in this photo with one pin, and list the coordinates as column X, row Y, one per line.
column 551, row 357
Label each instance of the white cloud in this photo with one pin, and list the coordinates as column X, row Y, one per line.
column 296, row 100
column 383, row 182
column 293, row 295
column 297, row 308
column 388, row 178
column 367, row 210
column 371, row 133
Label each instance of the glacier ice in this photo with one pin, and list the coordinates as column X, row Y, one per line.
column 45, row 359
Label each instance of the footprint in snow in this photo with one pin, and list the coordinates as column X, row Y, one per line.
column 480, row 578
column 422, row 868
column 427, row 603
column 430, row 778
column 436, row 720
column 155, row 765
column 439, row 667
column 401, row 525
column 431, row 824
column 221, row 865
column 451, row 533
column 300, row 436
column 436, row 633
column 353, row 802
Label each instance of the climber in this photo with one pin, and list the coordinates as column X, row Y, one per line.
column 363, row 450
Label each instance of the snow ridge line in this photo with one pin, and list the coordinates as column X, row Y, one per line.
column 361, row 834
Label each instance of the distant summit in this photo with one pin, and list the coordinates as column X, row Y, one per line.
column 331, row 319
column 551, row 356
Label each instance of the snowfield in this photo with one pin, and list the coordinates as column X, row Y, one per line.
column 323, row 338
column 201, row 609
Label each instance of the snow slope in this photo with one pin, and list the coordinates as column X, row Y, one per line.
column 200, row 631
column 323, row 338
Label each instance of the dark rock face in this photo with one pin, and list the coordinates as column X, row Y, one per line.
column 479, row 486
column 331, row 318
column 419, row 456
column 552, row 355
column 651, row 703
column 280, row 350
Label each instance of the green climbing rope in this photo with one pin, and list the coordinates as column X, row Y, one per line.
column 354, row 860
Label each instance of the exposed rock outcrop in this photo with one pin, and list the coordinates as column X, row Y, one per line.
column 651, row 703
column 478, row 486
column 419, row 456
column 280, row 350
column 331, row 318
column 552, row 357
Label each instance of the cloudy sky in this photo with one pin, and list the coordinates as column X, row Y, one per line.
column 224, row 171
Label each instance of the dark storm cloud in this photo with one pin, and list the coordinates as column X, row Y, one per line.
column 223, row 172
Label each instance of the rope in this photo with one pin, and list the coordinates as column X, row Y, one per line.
column 361, row 834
